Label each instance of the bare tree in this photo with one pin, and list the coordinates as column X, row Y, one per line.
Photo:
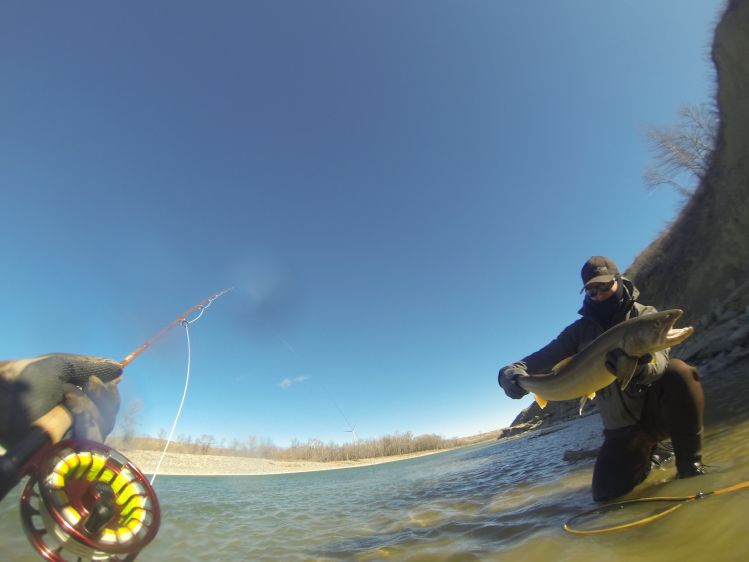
column 205, row 443
column 250, row 446
column 682, row 151
column 130, row 421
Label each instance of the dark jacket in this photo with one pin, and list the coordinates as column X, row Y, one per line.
column 618, row 408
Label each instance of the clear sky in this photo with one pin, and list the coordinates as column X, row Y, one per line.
column 401, row 194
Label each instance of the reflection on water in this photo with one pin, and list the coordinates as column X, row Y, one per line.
column 489, row 502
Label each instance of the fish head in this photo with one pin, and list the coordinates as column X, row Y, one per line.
column 654, row 332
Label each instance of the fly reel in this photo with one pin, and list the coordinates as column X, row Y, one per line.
column 86, row 501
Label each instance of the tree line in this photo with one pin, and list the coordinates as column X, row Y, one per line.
column 310, row 450
column 127, row 438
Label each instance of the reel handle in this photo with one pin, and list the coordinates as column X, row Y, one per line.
column 13, row 461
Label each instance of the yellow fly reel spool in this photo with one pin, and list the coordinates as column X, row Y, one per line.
column 86, row 501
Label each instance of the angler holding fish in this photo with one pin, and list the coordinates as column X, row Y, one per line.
column 618, row 353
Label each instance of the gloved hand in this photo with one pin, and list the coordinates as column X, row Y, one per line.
column 94, row 408
column 618, row 361
column 508, row 380
column 87, row 386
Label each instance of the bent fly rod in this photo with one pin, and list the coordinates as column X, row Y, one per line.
column 84, row 498
column 201, row 306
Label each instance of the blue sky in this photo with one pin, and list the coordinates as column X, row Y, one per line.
column 401, row 194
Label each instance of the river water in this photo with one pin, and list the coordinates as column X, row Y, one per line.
column 500, row 501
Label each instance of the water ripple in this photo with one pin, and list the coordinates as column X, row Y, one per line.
column 490, row 502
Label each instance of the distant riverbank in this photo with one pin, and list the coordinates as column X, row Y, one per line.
column 222, row 465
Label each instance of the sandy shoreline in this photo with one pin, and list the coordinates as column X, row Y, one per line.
column 219, row 465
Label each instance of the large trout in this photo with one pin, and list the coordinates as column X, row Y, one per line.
column 582, row 375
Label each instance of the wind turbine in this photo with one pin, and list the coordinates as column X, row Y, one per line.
column 351, row 428
column 352, row 431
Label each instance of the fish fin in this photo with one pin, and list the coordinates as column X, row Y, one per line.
column 562, row 363
column 540, row 401
column 626, row 364
column 583, row 401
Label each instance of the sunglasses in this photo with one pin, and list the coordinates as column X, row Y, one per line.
column 595, row 288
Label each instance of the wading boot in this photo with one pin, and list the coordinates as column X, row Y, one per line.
column 688, row 449
column 694, row 469
column 662, row 452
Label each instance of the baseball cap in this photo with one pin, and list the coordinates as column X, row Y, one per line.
column 598, row 269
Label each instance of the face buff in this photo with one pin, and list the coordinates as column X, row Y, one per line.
column 604, row 311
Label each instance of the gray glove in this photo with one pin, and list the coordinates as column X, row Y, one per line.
column 87, row 386
column 618, row 360
column 508, row 380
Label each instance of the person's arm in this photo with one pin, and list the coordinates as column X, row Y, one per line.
column 563, row 346
column 543, row 360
